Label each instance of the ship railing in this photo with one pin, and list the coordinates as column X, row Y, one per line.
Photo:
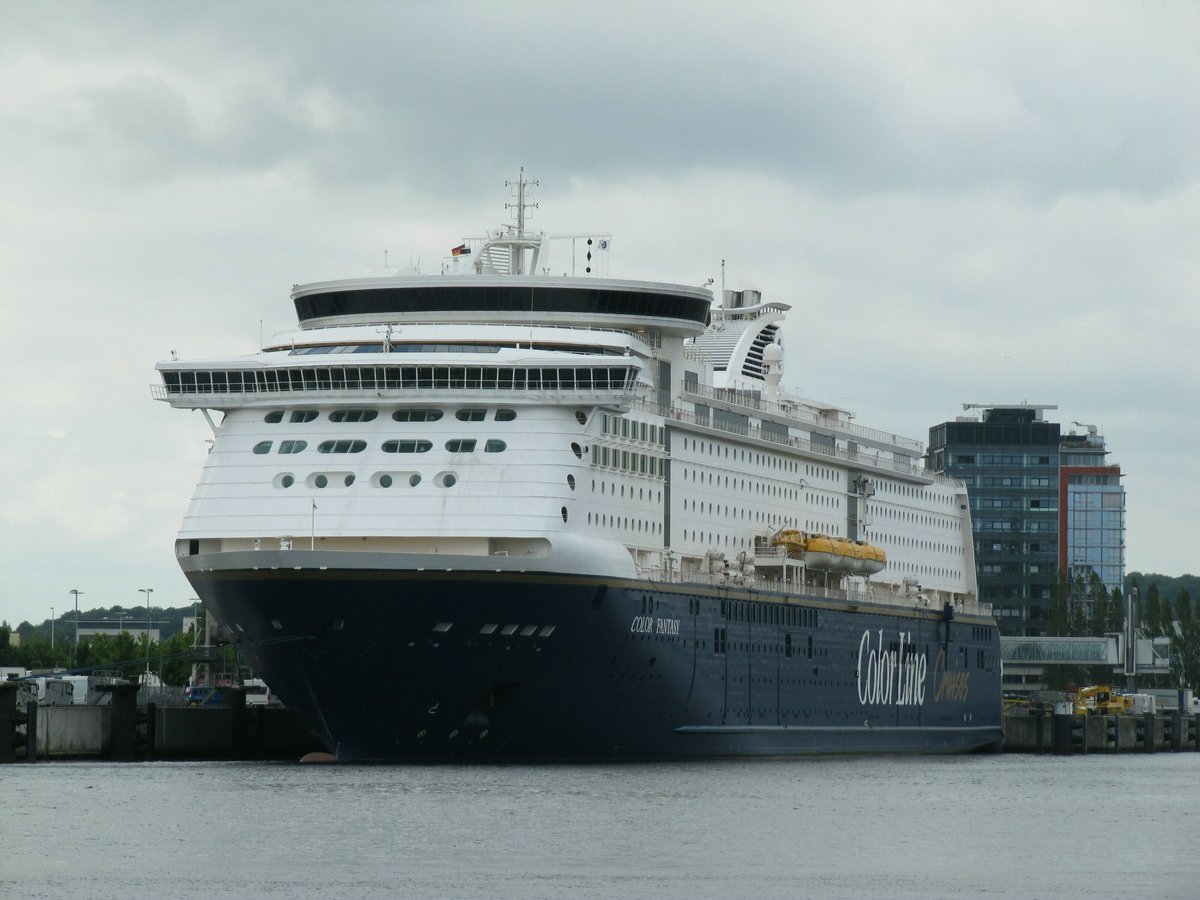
column 792, row 588
column 524, row 328
column 875, row 460
column 753, row 400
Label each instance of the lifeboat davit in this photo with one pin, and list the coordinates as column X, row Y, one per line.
column 832, row 554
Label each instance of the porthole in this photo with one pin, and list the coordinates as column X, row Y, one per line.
column 577, row 450
column 274, row 416
column 580, row 417
column 571, row 482
column 287, row 481
column 321, row 481
column 349, row 480
column 449, row 479
column 262, row 447
column 505, row 415
column 495, row 446
column 564, row 513
column 414, row 479
column 385, row 481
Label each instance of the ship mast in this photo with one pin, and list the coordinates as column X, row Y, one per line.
column 521, row 205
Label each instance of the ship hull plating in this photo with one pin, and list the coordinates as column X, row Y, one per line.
column 418, row 665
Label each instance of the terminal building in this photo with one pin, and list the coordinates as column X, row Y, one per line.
column 1041, row 502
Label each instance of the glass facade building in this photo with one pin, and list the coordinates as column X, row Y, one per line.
column 1040, row 500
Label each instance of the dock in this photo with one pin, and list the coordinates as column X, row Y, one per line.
column 121, row 729
column 1045, row 731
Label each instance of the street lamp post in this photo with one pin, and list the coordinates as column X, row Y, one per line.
column 75, row 648
column 147, row 592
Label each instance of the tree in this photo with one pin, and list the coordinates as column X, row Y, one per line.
column 1185, row 656
column 1116, row 612
column 1151, row 613
column 1099, row 620
column 1058, row 622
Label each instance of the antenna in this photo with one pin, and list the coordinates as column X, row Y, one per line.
column 521, row 205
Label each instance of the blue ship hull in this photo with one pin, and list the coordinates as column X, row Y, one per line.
column 449, row 665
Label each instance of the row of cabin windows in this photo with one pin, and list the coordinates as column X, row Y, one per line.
column 619, row 426
column 457, row 445
column 470, row 414
column 383, row 479
column 637, row 463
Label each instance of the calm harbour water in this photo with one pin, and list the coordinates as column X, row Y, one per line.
column 995, row 826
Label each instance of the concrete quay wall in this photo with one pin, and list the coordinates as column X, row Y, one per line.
column 1068, row 733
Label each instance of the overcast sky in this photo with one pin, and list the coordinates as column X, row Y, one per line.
column 963, row 202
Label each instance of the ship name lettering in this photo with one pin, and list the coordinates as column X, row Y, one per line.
column 651, row 625
column 952, row 686
column 889, row 677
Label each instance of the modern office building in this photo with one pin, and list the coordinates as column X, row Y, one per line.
column 1040, row 501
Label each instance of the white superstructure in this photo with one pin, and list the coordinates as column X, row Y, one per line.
column 507, row 411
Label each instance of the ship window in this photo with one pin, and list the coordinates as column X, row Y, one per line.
column 349, row 479
column 505, row 415
column 570, row 481
column 461, row 445
column 580, row 417
column 488, row 629
column 353, row 415
column 414, row 479
column 577, row 450
column 494, row 446
column 528, row 630
column 564, row 514
column 321, row 481
column 471, row 415
column 417, row 415
column 407, row 446
column 274, row 416
column 508, row 629
column 303, row 415
column 292, row 446
column 342, row 447
column 449, row 479
column 286, row 481
column 385, row 481
column 546, row 631
column 262, row 447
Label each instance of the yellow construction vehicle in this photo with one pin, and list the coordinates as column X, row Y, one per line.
column 1101, row 700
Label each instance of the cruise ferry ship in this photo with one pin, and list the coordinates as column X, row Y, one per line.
column 520, row 510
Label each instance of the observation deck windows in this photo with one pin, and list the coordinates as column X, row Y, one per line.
column 415, row 377
column 292, row 446
column 461, row 445
column 302, row 415
column 471, row 415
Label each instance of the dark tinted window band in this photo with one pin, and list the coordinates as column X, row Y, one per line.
column 372, row 378
column 501, row 298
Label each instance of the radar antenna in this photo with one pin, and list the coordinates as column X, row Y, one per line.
column 520, row 206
